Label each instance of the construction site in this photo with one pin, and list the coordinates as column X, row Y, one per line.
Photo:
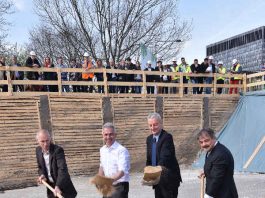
column 75, row 122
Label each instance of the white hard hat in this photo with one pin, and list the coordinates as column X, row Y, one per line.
column 32, row 53
column 220, row 63
column 149, row 62
column 210, row 57
column 234, row 61
column 86, row 54
column 174, row 60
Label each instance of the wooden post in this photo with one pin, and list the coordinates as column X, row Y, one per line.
column 9, row 81
column 214, row 84
column 144, row 84
column 181, row 84
column 105, row 82
column 206, row 113
column 59, row 76
column 244, row 83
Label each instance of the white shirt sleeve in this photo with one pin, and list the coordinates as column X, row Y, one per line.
column 124, row 161
column 207, row 196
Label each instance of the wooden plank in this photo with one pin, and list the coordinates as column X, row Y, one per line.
column 255, row 152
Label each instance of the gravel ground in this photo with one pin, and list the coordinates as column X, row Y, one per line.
column 248, row 185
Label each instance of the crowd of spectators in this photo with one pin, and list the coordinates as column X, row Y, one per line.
column 208, row 66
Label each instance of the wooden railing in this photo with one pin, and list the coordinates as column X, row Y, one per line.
column 180, row 85
column 256, row 82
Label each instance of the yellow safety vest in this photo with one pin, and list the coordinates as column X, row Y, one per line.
column 237, row 67
column 221, row 71
column 175, row 77
column 186, row 69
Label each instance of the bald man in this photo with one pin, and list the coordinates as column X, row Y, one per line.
column 52, row 167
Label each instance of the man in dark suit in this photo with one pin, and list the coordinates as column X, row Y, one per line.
column 52, row 167
column 150, row 78
column 161, row 152
column 218, row 167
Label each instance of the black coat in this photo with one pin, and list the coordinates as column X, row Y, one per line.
column 58, row 168
column 166, row 157
column 29, row 63
column 219, row 171
column 150, row 78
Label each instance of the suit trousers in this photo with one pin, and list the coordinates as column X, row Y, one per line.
column 162, row 192
column 121, row 190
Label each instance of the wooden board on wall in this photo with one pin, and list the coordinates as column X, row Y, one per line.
column 182, row 118
column 76, row 126
column 19, row 122
column 220, row 111
column 130, row 119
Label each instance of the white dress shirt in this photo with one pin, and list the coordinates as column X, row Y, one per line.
column 114, row 159
column 46, row 157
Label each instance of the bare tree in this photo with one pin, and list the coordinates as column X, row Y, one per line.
column 6, row 7
column 114, row 28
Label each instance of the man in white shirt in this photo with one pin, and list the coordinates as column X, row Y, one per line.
column 114, row 162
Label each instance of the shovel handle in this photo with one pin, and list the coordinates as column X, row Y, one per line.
column 51, row 188
column 202, row 186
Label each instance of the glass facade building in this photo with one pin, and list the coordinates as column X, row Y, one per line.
column 248, row 48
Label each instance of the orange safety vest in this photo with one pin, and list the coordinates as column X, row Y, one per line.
column 87, row 75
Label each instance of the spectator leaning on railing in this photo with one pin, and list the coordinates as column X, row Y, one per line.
column 175, row 78
column 210, row 69
column 75, row 76
column 235, row 69
column 220, row 80
column 3, row 73
column 51, row 76
column 17, row 75
column 138, row 77
column 64, row 75
column 32, row 62
column 166, row 78
column 196, row 68
column 185, row 68
column 149, row 78
column 87, row 65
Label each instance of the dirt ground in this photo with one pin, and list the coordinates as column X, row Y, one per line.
column 248, row 185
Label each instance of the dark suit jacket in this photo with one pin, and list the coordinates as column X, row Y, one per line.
column 165, row 156
column 58, row 168
column 219, row 171
column 150, row 78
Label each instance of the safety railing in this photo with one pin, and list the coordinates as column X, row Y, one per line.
column 151, row 83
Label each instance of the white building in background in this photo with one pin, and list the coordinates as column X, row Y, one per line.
column 248, row 48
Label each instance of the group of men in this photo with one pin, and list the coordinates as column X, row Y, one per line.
column 207, row 66
column 160, row 151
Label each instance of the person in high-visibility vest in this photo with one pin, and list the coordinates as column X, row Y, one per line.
column 87, row 64
column 174, row 78
column 235, row 69
column 185, row 68
column 220, row 80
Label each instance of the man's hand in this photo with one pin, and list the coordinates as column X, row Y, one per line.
column 151, row 183
column 57, row 191
column 40, row 178
column 202, row 175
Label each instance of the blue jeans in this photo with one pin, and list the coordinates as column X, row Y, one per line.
column 209, row 80
column 195, row 89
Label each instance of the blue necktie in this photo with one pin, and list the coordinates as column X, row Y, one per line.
column 154, row 152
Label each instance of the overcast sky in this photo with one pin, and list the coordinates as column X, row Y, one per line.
column 213, row 20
